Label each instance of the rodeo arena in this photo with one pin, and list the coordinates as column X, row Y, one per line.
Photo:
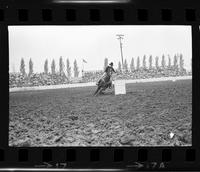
column 124, row 104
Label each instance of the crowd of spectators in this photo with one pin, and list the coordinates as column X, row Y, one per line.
column 138, row 74
column 151, row 73
column 92, row 76
column 42, row 79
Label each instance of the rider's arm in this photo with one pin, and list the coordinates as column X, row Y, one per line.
column 113, row 70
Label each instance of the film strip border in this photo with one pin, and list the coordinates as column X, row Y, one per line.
column 136, row 158
column 125, row 158
column 95, row 14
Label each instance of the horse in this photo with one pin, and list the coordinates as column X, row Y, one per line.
column 104, row 83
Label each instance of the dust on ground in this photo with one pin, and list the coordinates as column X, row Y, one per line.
column 145, row 116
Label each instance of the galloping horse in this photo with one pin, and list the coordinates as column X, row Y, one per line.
column 104, row 82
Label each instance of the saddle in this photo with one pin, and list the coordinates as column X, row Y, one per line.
column 105, row 78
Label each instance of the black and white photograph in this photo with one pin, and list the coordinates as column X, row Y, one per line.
column 102, row 85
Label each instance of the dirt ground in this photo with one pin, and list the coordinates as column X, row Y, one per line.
column 145, row 116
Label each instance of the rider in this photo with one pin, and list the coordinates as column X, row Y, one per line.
column 107, row 73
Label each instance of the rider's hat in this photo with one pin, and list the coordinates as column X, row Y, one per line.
column 111, row 64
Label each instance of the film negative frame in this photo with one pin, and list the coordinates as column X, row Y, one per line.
column 138, row 12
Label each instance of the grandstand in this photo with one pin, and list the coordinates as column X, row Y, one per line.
column 42, row 79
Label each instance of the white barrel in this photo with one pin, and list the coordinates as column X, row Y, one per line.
column 120, row 87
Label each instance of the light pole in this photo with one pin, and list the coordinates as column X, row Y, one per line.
column 120, row 37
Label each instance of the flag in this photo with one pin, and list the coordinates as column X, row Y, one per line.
column 84, row 61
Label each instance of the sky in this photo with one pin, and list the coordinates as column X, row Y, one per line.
column 94, row 44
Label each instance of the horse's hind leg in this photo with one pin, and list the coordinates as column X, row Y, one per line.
column 101, row 91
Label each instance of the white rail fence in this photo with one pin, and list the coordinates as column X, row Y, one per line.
column 94, row 83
